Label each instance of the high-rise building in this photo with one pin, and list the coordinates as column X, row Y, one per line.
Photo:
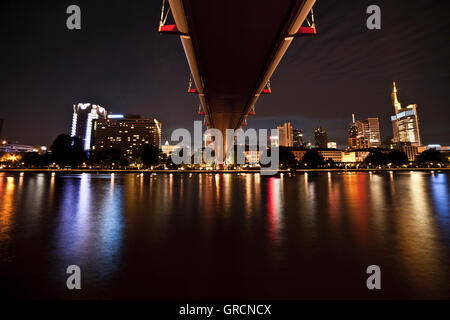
column 128, row 134
column 84, row 115
column 298, row 138
column 373, row 125
column 285, row 135
column 353, row 130
column 369, row 128
column 320, row 137
column 405, row 122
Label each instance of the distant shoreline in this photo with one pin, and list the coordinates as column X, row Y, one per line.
column 99, row 171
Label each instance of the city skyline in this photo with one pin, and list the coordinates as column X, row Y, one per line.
column 368, row 129
column 250, row 153
column 129, row 83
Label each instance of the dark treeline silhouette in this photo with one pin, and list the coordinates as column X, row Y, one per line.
column 431, row 156
column 312, row 159
column 108, row 158
column 67, row 152
column 383, row 158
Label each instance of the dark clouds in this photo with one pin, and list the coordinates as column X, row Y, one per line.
column 118, row 60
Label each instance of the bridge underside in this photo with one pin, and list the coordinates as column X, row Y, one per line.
column 233, row 47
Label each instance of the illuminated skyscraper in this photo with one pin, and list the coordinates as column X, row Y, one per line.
column 128, row 134
column 367, row 132
column 369, row 128
column 84, row 115
column 298, row 138
column 285, row 135
column 373, row 133
column 405, row 122
column 321, row 138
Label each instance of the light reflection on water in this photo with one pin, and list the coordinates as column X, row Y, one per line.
column 264, row 237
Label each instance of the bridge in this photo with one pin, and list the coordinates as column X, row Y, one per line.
column 233, row 47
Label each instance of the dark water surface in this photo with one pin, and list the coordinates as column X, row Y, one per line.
column 225, row 235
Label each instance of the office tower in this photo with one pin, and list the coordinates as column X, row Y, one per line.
column 373, row 125
column 1, row 127
column 369, row 128
column 405, row 122
column 352, row 132
column 298, row 138
column 128, row 134
column 320, row 136
column 285, row 135
column 84, row 115
column 362, row 128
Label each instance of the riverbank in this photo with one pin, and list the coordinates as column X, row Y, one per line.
column 99, row 171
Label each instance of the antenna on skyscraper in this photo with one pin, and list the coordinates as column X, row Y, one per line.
column 353, row 117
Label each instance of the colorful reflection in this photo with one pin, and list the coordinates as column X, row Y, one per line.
column 131, row 231
column 7, row 186
column 440, row 192
column 274, row 208
column 90, row 223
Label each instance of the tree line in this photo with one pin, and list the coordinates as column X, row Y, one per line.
column 67, row 152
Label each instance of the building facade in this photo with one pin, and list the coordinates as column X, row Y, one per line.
column 298, row 138
column 333, row 154
column 252, row 156
column 373, row 131
column 332, row 145
column 285, row 135
column 405, row 122
column 167, row 149
column 412, row 151
column 298, row 155
column 354, row 156
column 369, row 128
column 129, row 134
column 83, row 118
column 359, row 143
column 320, row 137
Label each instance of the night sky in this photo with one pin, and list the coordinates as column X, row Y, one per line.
column 119, row 61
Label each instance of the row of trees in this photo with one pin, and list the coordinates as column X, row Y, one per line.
column 68, row 151
column 378, row 157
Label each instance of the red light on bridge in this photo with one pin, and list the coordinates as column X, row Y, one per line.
column 192, row 90
column 266, row 91
column 168, row 29
column 306, row 32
